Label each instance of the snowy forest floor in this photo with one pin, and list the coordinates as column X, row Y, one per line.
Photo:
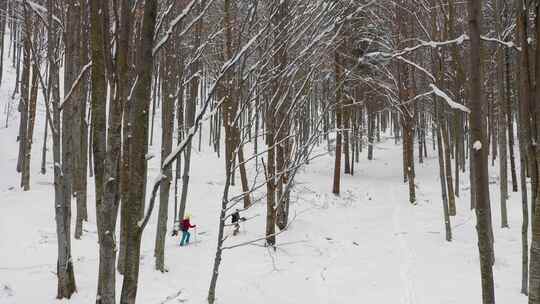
column 368, row 245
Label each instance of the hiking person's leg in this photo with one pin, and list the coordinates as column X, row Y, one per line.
column 187, row 237
column 183, row 240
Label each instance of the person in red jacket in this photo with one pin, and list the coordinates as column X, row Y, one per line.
column 185, row 224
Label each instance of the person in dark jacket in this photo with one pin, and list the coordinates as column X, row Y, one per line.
column 185, row 224
column 235, row 220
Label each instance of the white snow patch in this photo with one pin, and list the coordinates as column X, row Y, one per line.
column 477, row 145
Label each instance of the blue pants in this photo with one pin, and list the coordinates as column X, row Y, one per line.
column 185, row 238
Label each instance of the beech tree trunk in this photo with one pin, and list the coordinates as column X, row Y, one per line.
column 32, row 100
column 442, row 177
column 169, row 83
column 137, row 153
column 479, row 155
column 103, row 170
column 510, row 122
column 501, row 119
column 64, row 267
column 24, row 99
column 533, row 156
column 76, row 45
column 339, row 123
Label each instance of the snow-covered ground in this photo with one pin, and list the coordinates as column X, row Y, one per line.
column 369, row 245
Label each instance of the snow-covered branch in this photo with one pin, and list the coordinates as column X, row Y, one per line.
column 448, row 100
column 176, row 21
column 40, row 10
column 75, row 84
column 433, row 44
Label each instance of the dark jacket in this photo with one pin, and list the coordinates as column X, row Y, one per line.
column 235, row 217
column 185, row 225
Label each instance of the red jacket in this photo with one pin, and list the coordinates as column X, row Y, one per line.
column 185, row 225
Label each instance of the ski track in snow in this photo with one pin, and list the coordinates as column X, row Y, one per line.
column 406, row 254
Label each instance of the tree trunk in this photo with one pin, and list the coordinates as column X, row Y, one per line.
column 339, row 123
column 442, row 178
column 448, row 167
column 31, row 122
column 480, row 156
column 64, row 269
column 283, row 99
column 534, row 279
column 169, row 83
column 44, row 147
column 106, row 146
column 217, row 260
column 3, row 19
column 25, row 84
column 371, row 128
column 137, row 153
column 408, row 146
column 510, row 123
column 191, row 105
column 78, row 52
column 346, row 138
column 525, row 212
column 501, row 118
